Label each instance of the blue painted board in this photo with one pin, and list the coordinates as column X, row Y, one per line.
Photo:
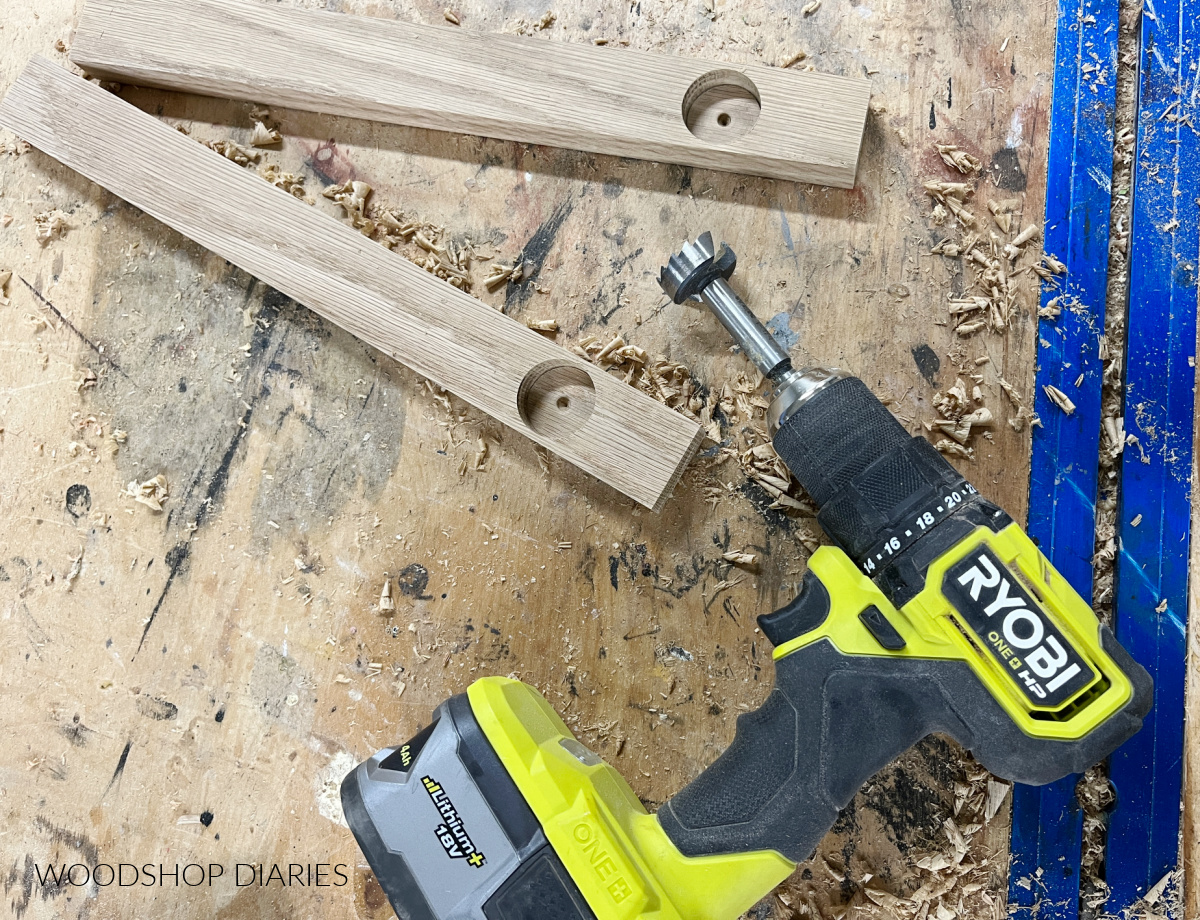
column 1047, row 820
column 1152, row 564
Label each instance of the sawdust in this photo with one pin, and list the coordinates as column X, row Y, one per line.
column 955, row 156
column 421, row 242
column 1094, row 790
column 960, row 417
column 328, row 785
column 523, row 26
column 954, row 882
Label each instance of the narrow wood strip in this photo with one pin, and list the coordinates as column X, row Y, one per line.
column 567, row 405
column 1047, row 828
column 600, row 99
column 1150, row 596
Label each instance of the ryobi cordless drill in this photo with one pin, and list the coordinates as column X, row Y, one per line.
column 931, row 612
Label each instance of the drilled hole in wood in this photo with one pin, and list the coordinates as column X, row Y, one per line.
column 556, row 398
column 721, row 106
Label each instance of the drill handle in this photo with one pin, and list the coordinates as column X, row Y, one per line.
column 829, row 724
column 836, row 718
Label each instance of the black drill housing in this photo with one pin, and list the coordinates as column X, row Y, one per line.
column 880, row 492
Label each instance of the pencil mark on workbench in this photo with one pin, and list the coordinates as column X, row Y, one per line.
column 1006, row 171
column 76, row 732
column 412, row 582
column 155, row 707
column 175, row 558
column 70, row 325
column 121, row 761
column 37, row 636
column 928, row 363
column 534, row 254
column 59, row 838
column 78, row 500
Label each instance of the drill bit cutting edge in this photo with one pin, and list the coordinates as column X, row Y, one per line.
column 932, row 611
column 699, row 274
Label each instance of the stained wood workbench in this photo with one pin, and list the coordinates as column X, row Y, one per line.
column 194, row 692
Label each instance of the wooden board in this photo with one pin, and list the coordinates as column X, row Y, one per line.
column 757, row 120
column 610, row 430
column 631, row 623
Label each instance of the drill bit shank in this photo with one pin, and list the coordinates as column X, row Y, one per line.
column 699, row 273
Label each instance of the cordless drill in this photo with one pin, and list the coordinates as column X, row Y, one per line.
column 931, row 612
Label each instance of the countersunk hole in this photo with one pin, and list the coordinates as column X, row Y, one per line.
column 556, row 398
column 721, row 106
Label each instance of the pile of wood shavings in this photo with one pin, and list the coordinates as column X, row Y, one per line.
column 432, row 250
column 960, row 416
column 234, row 151
column 949, row 885
column 51, row 225
column 739, row 403
column 995, row 258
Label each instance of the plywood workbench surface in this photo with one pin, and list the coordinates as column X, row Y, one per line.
column 190, row 685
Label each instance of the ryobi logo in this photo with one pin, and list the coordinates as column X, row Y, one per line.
column 607, row 869
column 1015, row 629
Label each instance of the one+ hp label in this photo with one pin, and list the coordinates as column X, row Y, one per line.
column 1015, row 628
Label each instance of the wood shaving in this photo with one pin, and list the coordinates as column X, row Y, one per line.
column 959, row 159
column 289, row 182
column 352, row 196
column 952, row 195
column 1059, row 398
column 451, row 17
column 503, row 274
column 386, row 602
column 740, row 558
column 5, row 277
column 543, row 325
column 524, row 26
column 1052, row 310
column 793, row 59
column 809, row 8
column 234, row 151
column 6, row 220
column 263, row 136
column 51, row 225
column 997, row 791
column 151, row 493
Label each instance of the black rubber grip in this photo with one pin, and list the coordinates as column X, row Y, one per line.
column 870, row 479
column 834, row 720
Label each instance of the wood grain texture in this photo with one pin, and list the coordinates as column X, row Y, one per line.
column 611, row 430
column 598, row 99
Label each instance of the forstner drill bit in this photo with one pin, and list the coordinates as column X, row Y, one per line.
column 700, row 274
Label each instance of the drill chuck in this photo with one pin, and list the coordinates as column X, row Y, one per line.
column 878, row 490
